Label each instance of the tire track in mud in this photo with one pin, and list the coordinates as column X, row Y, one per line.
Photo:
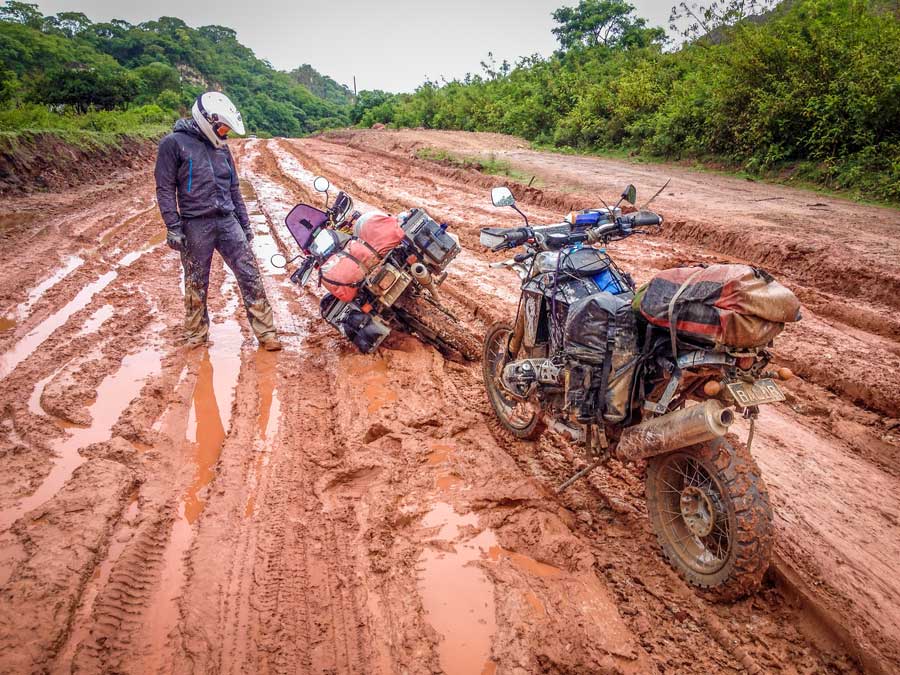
column 95, row 346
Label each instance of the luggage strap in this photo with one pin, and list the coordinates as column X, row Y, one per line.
column 359, row 264
column 673, row 329
column 607, row 363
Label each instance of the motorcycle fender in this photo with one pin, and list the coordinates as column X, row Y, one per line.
column 531, row 307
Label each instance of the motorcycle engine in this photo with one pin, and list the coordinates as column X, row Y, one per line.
column 522, row 377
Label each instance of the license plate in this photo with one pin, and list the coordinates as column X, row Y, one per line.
column 761, row 391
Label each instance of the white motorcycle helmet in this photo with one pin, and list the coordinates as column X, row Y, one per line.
column 216, row 115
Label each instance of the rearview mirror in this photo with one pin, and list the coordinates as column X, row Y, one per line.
column 502, row 196
column 321, row 184
column 278, row 260
column 629, row 194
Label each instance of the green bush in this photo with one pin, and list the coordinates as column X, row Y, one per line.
column 38, row 117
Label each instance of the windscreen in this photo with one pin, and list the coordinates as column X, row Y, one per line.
column 302, row 221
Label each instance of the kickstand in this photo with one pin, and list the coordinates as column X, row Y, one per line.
column 578, row 476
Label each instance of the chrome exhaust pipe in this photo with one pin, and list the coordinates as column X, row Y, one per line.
column 675, row 430
column 421, row 274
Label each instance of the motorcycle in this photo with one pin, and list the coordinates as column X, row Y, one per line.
column 382, row 273
column 582, row 360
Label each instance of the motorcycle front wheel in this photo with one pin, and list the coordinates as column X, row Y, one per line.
column 515, row 417
column 710, row 510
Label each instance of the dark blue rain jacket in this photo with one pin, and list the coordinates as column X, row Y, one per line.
column 201, row 177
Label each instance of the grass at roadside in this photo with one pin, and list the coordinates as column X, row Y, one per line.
column 11, row 141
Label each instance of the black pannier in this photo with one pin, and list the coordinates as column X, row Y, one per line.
column 437, row 247
column 364, row 330
column 601, row 331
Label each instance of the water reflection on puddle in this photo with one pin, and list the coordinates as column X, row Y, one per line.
column 95, row 320
column 373, row 376
column 24, row 347
column 457, row 597
column 114, row 394
column 210, row 414
column 267, row 422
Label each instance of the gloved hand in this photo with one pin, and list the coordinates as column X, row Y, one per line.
column 248, row 232
column 175, row 238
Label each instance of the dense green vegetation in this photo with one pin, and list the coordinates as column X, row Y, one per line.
column 811, row 91
column 66, row 72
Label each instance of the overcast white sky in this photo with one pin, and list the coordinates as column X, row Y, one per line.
column 387, row 44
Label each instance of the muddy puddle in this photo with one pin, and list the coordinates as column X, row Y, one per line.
column 34, row 339
column 211, row 403
column 267, row 422
column 39, row 334
column 96, row 320
column 69, row 265
column 114, row 394
column 457, row 597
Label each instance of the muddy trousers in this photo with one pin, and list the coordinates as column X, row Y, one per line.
column 225, row 235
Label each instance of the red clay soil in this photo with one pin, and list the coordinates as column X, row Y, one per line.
column 316, row 510
column 42, row 161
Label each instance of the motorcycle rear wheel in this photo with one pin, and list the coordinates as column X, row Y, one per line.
column 437, row 328
column 709, row 508
column 514, row 417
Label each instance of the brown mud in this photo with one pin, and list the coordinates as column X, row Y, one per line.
column 35, row 161
column 316, row 510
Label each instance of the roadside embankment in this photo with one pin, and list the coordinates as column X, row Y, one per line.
column 41, row 160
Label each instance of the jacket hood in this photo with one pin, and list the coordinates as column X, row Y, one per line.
column 189, row 126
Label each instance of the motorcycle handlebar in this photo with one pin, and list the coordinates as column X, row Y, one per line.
column 641, row 219
column 622, row 227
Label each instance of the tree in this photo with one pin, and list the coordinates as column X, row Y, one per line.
column 610, row 23
column 218, row 33
column 156, row 77
column 695, row 20
column 368, row 100
column 22, row 12
column 104, row 87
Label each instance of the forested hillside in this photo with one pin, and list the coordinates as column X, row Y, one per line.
column 810, row 89
column 67, row 72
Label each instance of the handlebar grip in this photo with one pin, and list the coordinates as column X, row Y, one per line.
column 645, row 219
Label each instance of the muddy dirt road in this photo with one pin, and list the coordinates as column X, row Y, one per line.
column 315, row 510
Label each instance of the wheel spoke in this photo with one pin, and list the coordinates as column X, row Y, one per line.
column 672, row 487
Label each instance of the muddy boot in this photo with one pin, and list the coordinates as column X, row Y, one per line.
column 196, row 342
column 271, row 344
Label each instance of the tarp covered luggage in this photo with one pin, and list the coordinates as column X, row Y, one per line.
column 722, row 305
column 344, row 272
column 383, row 233
column 601, row 330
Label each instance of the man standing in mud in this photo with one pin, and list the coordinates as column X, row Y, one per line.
column 195, row 168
